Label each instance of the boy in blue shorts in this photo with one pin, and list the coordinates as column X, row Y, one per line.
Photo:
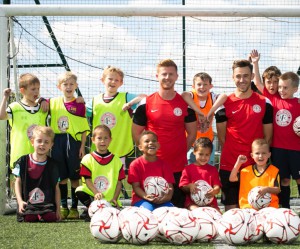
column 71, row 128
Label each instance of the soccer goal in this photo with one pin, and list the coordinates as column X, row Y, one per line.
column 48, row 37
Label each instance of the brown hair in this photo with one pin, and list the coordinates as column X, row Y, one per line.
column 47, row 131
column 28, row 79
column 204, row 142
column 271, row 72
column 242, row 63
column 66, row 76
column 166, row 63
column 291, row 76
column 260, row 142
column 203, row 76
column 147, row 132
column 110, row 69
column 101, row 127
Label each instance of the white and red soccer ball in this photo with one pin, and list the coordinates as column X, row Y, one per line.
column 138, row 225
column 104, row 225
column 180, row 227
column 256, row 200
column 97, row 205
column 282, row 226
column 296, row 126
column 236, row 227
column 200, row 196
column 156, row 186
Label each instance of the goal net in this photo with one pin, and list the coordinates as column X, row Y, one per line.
column 135, row 39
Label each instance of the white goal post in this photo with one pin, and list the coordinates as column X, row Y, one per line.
column 7, row 11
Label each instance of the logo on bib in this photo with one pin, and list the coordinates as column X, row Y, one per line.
column 283, row 118
column 63, row 124
column 36, row 196
column 101, row 183
column 29, row 131
column 108, row 119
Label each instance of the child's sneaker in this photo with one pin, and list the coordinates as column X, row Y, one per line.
column 73, row 214
column 84, row 214
column 64, row 212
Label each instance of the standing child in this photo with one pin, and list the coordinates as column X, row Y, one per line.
column 259, row 174
column 37, row 177
column 71, row 127
column 200, row 170
column 23, row 116
column 201, row 99
column 113, row 109
column 149, row 165
column 102, row 171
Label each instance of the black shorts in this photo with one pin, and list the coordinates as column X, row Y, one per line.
column 66, row 152
column 287, row 161
column 230, row 190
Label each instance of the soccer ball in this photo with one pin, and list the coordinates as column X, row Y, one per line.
column 257, row 201
column 283, row 226
column 234, row 227
column 104, row 225
column 212, row 212
column 254, row 225
column 97, row 205
column 180, row 227
column 208, row 229
column 296, row 126
column 160, row 213
column 138, row 225
column 200, row 196
column 156, row 186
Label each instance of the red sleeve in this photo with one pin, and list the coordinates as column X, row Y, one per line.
column 133, row 175
column 216, row 178
column 121, row 174
column 85, row 172
column 184, row 180
column 167, row 173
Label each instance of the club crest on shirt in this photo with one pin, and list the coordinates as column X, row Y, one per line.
column 63, row 123
column 101, row 183
column 29, row 131
column 36, row 196
column 108, row 119
column 256, row 108
column 283, row 118
column 177, row 112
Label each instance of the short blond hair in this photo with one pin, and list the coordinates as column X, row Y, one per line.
column 47, row 131
column 28, row 79
column 110, row 69
column 260, row 142
column 293, row 77
column 66, row 76
column 166, row 63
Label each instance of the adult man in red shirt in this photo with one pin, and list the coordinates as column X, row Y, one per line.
column 245, row 116
column 166, row 113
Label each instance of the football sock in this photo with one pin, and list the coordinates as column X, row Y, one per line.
column 74, row 198
column 64, row 195
column 84, row 198
column 284, row 196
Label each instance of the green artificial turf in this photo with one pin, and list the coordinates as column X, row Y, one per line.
column 75, row 234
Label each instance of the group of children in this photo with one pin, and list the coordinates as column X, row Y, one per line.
column 44, row 158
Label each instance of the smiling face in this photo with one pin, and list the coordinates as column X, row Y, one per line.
column 112, row 81
column 242, row 77
column 101, row 138
column 149, row 145
column 167, row 77
column 260, row 154
column 202, row 87
column 286, row 90
column 202, row 155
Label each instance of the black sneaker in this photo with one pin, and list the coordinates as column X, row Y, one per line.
column 84, row 214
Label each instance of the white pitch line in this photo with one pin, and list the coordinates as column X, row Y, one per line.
column 219, row 244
